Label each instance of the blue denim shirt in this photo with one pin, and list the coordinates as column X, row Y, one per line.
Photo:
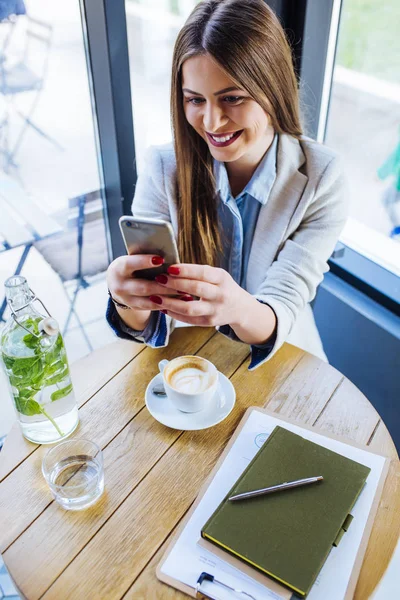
column 238, row 218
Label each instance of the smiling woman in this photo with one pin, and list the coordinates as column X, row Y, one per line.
column 225, row 47
column 256, row 207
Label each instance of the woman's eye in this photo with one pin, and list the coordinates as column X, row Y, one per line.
column 233, row 99
column 195, row 100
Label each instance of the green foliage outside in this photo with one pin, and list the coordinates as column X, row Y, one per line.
column 369, row 38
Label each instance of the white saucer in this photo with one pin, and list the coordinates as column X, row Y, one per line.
column 165, row 412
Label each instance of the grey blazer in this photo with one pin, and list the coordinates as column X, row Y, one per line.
column 296, row 231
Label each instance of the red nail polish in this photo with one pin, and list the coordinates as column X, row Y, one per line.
column 161, row 279
column 157, row 260
column 165, row 312
column 181, row 292
column 173, row 270
column 186, row 298
column 156, row 299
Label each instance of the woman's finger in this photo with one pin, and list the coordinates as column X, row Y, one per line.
column 144, row 287
column 125, row 266
column 201, row 289
column 205, row 273
column 139, row 303
column 148, row 303
column 184, row 305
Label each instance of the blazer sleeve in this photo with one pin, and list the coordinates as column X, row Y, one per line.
column 150, row 200
column 299, row 268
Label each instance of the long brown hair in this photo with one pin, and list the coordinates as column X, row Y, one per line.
column 248, row 43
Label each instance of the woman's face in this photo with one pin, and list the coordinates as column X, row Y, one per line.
column 236, row 128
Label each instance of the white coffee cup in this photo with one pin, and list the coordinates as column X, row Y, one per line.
column 190, row 382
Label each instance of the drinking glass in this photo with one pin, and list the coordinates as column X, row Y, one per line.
column 75, row 474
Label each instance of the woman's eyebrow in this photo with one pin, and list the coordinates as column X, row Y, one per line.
column 228, row 89
column 191, row 92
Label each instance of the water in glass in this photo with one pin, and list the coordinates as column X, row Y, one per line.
column 74, row 472
column 77, row 482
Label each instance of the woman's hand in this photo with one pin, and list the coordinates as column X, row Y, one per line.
column 221, row 302
column 220, row 299
column 135, row 293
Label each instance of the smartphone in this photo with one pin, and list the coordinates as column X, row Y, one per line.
column 149, row 236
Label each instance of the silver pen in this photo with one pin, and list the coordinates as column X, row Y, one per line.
column 277, row 488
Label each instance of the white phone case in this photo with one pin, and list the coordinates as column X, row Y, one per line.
column 149, row 236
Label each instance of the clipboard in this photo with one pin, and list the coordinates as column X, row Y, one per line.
column 206, row 582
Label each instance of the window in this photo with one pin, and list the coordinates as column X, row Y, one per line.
column 364, row 126
column 49, row 168
column 152, row 29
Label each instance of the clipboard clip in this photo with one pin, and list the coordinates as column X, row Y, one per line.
column 201, row 595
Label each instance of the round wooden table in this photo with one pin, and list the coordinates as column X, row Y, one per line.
column 153, row 473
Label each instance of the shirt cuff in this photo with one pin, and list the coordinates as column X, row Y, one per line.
column 155, row 334
column 259, row 352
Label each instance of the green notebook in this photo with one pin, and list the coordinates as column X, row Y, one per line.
column 289, row 534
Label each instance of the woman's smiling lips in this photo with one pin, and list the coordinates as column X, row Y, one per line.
column 222, row 140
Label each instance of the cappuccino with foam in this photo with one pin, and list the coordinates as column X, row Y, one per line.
column 190, row 375
column 190, row 382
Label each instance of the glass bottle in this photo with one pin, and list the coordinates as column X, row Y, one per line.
column 36, row 365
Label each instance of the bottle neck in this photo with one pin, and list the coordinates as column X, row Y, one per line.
column 18, row 294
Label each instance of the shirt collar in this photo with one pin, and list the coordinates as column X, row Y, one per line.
column 261, row 182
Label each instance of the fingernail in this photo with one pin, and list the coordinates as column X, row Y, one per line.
column 161, row 278
column 173, row 270
column 165, row 312
column 156, row 299
column 157, row 260
column 186, row 298
column 181, row 292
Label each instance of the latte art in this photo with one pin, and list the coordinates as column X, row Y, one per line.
column 189, row 380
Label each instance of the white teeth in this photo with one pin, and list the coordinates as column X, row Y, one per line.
column 222, row 139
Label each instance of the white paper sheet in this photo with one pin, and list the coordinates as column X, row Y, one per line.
column 187, row 559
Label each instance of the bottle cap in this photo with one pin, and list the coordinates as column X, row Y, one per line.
column 49, row 325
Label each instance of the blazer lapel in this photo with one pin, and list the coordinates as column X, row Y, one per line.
column 275, row 216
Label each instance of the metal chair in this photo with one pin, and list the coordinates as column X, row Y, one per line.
column 80, row 251
column 26, row 75
column 7, row 30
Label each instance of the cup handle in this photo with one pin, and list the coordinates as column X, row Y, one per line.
column 162, row 364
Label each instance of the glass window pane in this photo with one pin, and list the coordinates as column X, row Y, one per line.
column 152, row 29
column 49, row 169
column 364, row 125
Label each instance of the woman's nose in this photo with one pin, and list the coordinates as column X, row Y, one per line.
column 213, row 118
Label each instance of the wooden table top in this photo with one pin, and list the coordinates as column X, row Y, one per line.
column 153, row 474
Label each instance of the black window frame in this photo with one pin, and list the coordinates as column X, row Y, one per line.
column 106, row 45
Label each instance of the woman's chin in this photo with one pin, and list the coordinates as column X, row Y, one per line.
column 227, row 154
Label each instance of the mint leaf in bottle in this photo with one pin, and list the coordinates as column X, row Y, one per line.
column 36, row 365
